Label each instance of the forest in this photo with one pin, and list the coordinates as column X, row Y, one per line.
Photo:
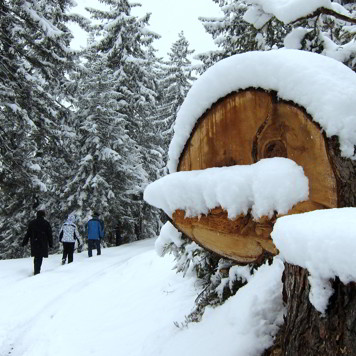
column 89, row 130
column 242, row 167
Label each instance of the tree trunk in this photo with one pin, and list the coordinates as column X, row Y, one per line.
column 305, row 331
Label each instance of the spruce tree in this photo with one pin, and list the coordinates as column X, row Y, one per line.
column 35, row 57
column 116, row 98
column 233, row 35
column 246, row 27
column 175, row 81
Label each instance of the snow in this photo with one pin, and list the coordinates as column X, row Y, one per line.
column 323, row 242
column 340, row 53
column 126, row 302
column 168, row 234
column 49, row 29
column 289, row 10
column 325, row 87
column 273, row 184
column 294, row 39
column 256, row 17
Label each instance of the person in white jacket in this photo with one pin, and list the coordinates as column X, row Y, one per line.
column 68, row 234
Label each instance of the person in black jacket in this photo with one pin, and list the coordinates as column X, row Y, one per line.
column 39, row 233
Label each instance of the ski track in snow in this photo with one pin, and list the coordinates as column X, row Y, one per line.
column 126, row 302
column 77, row 284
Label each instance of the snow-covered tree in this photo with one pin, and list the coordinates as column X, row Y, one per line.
column 233, row 35
column 246, row 26
column 330, row 32
column 35, row 57
column 175, row 81
column 116, row 97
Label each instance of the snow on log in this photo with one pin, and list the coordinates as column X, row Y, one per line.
column 324, row 243
column 324, row 87
column 251, row 107
column 234, row 201
column 319, row 289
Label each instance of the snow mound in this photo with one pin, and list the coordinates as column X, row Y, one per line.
column 272, row 184
column 323, row 242
column 168, row 234
column 325, row 87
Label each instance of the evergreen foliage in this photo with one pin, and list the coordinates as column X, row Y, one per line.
column 116, row 150
column 35, row 57
column 321, row 33
column 217, row 278
column 77, row 130
column 175, row 81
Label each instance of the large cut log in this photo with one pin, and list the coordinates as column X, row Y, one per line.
column 241, row 129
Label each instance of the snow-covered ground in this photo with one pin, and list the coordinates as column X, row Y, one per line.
column 126, row 302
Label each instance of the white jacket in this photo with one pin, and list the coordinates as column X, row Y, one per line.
column 69, row 231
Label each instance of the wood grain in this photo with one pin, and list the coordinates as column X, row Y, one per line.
column 242, row 129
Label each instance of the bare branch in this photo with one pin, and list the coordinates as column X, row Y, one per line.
column 325, row 11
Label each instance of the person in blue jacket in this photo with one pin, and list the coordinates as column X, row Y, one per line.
column 95, row 234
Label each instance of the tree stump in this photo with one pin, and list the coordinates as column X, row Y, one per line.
column 305, row 331
column 241, row 129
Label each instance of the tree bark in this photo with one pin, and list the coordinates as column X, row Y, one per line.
column 308, row 333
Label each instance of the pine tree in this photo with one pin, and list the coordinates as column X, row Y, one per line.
column 245, row 27
column 233, row 35
column 35, row 56
column 176, row 80
column 327, row 34
column 116, row 96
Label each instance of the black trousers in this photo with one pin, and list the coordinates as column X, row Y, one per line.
column 37, row 262
column 93, row 244
column 68, row 250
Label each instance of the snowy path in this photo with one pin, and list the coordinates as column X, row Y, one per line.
column 125, row 302
column 78, row 309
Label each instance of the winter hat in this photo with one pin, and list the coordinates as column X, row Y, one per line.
column 71, row 218
column 41, row 213
column 95, row 214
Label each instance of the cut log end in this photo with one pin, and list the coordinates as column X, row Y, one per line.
column 242, row 129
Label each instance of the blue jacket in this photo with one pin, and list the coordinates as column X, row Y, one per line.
column 95, row 229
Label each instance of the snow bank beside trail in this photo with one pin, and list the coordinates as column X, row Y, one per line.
column 325, row 87
column 169, row 234
column 244, row 325
column 323, row 242
column 273, row 184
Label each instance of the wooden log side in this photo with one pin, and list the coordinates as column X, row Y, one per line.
column 242, row 129
column 241, row 239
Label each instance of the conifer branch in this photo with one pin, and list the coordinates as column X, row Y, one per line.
column 325, row 11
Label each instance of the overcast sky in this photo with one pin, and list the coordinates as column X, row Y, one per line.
column 168, row 18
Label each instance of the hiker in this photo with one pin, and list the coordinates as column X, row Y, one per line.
column 68, row 235
column 95, row 234
column 39, row 233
